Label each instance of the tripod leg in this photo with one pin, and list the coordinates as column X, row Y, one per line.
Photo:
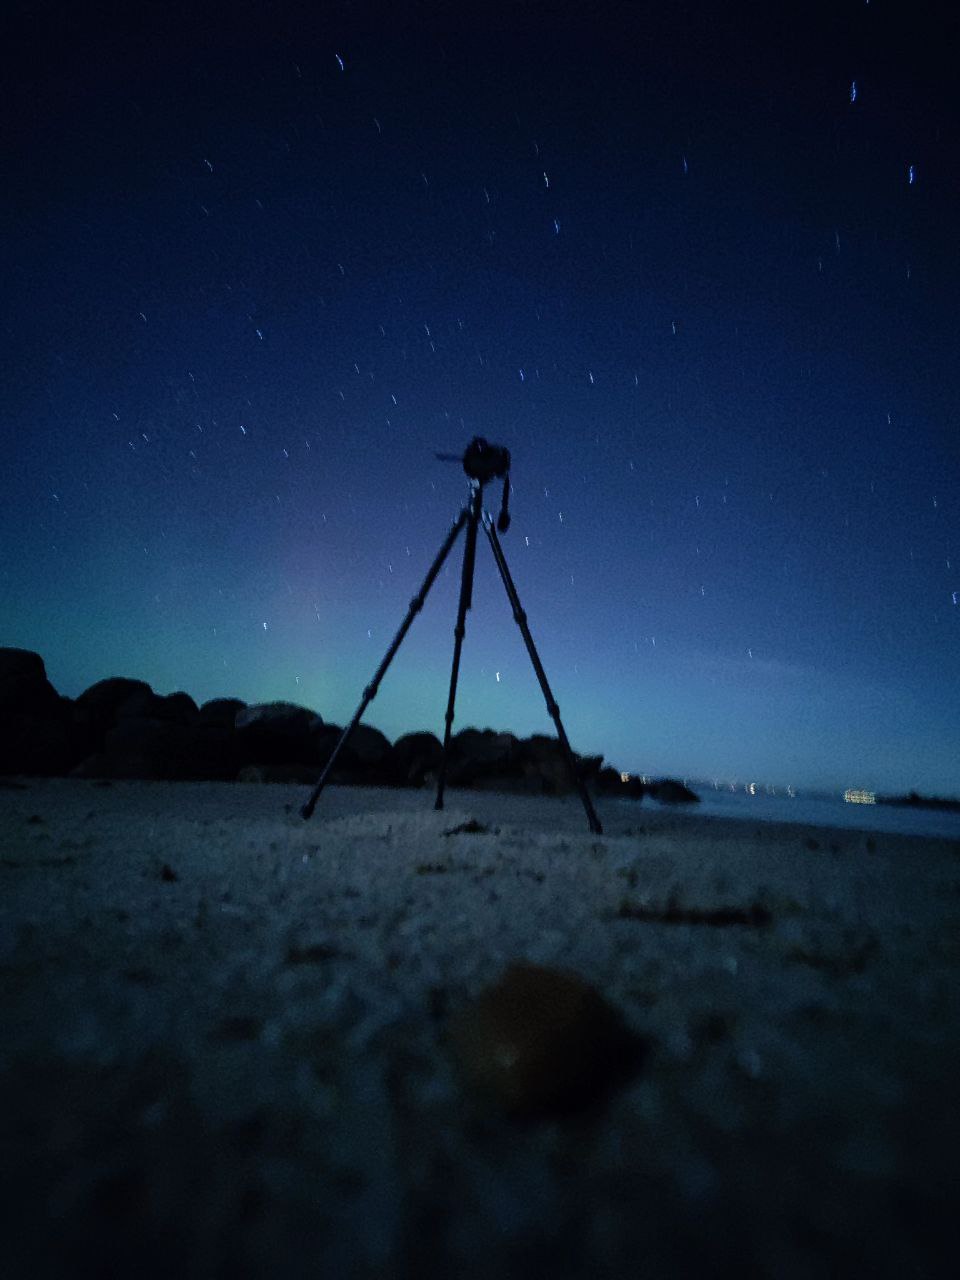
column 521, row 619
column 466, row 599
column 370, row 692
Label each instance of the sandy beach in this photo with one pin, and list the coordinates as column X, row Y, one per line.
column 233, row 1041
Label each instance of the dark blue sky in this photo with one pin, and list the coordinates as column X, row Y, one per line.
column 695, row 265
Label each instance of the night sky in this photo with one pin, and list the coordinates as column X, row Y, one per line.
column 696, row 265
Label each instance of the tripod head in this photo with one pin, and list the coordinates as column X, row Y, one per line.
column 483, row 462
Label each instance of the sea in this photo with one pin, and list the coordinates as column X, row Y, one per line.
column 815, row 809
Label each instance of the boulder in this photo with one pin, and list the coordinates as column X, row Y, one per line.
column 669, row 791
column 178, row 708
column 36, row 746
column 24, row 687
column 21, row 664
column 275, row 733
column 323, row 739
column 365, row 760
column 477, row 755
column 162, row 750
column 413, row 757
column 609, row 782
column 221, row 712
column 589, row 766
column 95, row 711
column 545, row 766
column 368, row 749
column 36, row 723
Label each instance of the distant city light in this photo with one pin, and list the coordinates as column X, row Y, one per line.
column 855, row 796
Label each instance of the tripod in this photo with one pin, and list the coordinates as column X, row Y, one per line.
column 481, row 462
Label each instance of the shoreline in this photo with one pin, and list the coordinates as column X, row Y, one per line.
column 619, row 816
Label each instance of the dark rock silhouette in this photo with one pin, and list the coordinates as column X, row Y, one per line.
column 36, row 724
column 610, row 782
column 36, row 745
column 664, row 790
column 413, row 757
column 95, row 711
column 543, row 761
column 221, row 712
column 121, row 728
column 478, row 756
column 669, row 791
column 913, row 800
column 274, row 733
column 24, row 687
column 367, row 752
column 176, row 708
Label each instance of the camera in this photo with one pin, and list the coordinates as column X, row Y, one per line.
column 484, row 461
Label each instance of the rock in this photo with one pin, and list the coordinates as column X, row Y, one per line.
column 120, row 728
column 36, row 724
column 162, row 750
column 178, row 708
column 609, row 782
column 476, row 755
column 24, row 687
column 543, row 760
column 367, row 751
column 39, row 747
column 364, row 760
column 669, row 791
column 541, row 1040
column 95, row 711
column 413, row 757
column 275, row 733
column 221, row 712
column 323, row 739
column 589, row 766
column 21, row 665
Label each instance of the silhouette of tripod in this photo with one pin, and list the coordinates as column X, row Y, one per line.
column 481, row 462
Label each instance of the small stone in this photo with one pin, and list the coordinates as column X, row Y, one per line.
column 541, row 1040
column 168, row 874
column 471, row 827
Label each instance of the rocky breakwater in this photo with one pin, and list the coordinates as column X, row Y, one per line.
column 121, row 728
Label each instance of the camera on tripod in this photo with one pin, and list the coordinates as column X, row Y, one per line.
column 483, row 462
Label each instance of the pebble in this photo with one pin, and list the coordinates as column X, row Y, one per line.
column 541, row 1040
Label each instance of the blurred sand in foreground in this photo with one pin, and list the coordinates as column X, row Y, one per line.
column 226, row 1038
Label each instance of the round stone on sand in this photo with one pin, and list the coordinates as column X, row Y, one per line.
column 541, row 1040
